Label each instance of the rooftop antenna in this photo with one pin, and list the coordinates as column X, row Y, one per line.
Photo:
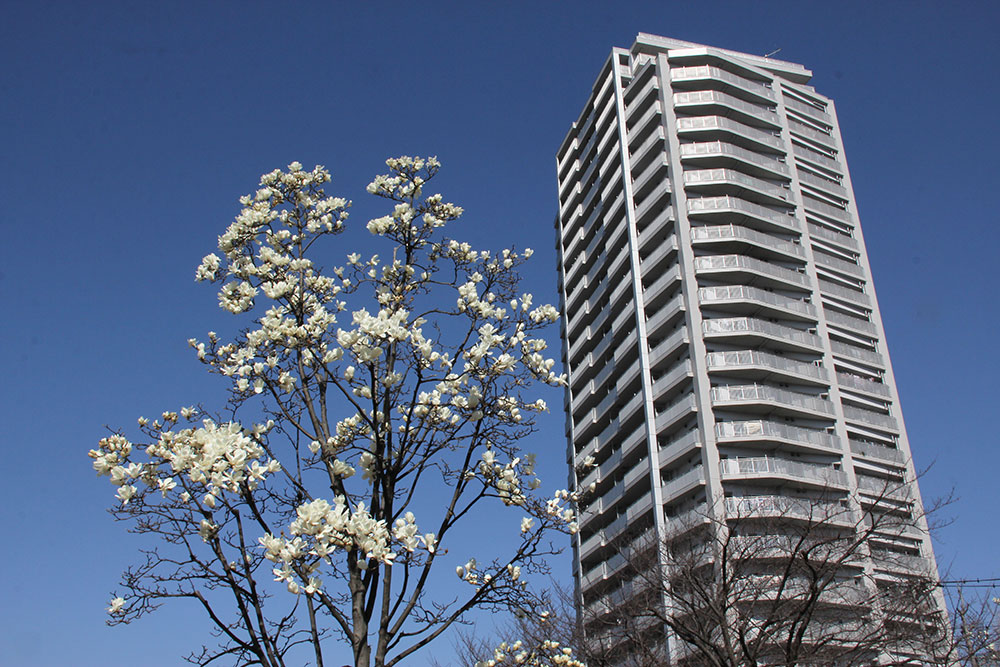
column 772, row 53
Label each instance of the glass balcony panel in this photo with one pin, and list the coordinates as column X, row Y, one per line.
column 822, row 184
column 739, row 325
column 763, row 360
column 729, row 263
column 701, row 98
column 746, row 293
column 861, row 384
column 699, row 124
column 808, row 110
column 830, row 235
column 758, row 90
column 858, row 353
column 705, row 206
column 845, row 293
column 846, row 321
column 838, row 264
column 716, row 149
column 739, row 233
column 722, row 177
column 727, row 395
column 854, row 414
column 868, row 449
column 828, row 210
column 764, row 429
column 817, row 158
column 765, row 465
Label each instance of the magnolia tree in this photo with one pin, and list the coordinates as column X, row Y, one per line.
column 373, row 407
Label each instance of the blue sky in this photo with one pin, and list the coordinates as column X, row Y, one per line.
column 130, row 129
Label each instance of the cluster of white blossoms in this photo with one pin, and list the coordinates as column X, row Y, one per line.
column 214, row 458
column 320, row 529
column 506, row 478
column 547, row 654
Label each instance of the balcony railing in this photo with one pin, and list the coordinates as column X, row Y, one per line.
column 837, row 264
column 817, row 158
column 763, row 360
column 743, row 263
column 852, row 413
column 765, row 465
column 845, row 293
column 822, row 183
column 716, row 177
column 855, row 323
column 734, row 205
column 739, row 233
column 830, row 235
column 808, row 110
column 680, row 74
column 881, row 452
column 861, row 384
column 787, row 508
column 757, row 393
column 858, row 353
column 746, row 293
column 748, row 325
column 714, row 97
column 765, row 429
column 721, row 148
column 707, row 123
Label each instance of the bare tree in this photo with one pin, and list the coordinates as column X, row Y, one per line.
column 775, row 580
column 975, row 618
column 373, row 407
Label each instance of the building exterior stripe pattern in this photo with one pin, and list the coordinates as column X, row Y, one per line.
column 722, row 338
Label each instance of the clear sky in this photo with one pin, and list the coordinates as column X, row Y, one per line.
column 128, row 131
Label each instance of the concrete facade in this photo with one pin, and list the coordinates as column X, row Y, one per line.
column 722, row 338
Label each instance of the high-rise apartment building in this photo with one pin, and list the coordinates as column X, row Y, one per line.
column 722, row 339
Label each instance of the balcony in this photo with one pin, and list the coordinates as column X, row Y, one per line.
column 807, row 132
column 721, row 154
column 783, row 507
column 750, row 329
column 842, row 240
column 708, row 100
column 857, row 353
column 762, row 365
column 818, row 159
column 672, row 378
column 744, row 297
column 684, row 484
column 680, row 445
column 853, row 323
column 841, row 265
column 729, row 181
column 730, row 236
column 828, row 210
column 734, row 209
column 718, row 127
column 871, row 418
column 751, row 271
column 880, row 452
column 667, row 346
column 858, row 383
column 808, row 110
column 766, row 466
column 715, row 77
column 844, row 293
column 677, row 410
column 667, row 313
column 824, row 184
column 756, row 430
column 756, row 394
